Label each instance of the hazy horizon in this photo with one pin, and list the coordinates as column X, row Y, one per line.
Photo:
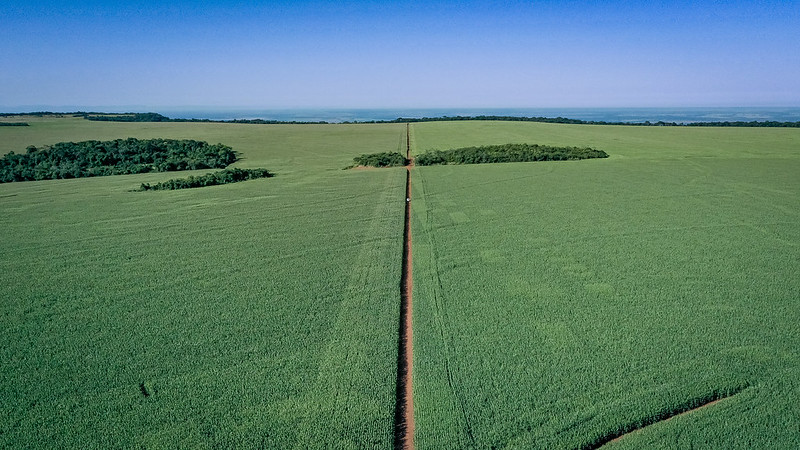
column 338, row 115
column 17, row 109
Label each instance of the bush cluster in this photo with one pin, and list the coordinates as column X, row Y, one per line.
column 385, row 159
column 210, row 179
column 121, row 156
column 13, row 124
column 506, row 153
column 129, row 117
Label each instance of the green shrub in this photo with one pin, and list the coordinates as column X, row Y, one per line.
column 385, row 159
column 210, row 179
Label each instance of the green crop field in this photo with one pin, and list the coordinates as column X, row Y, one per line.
column 556, row 304
column 559, row 304
column 257, row 314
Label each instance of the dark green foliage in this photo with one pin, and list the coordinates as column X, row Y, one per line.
column 37, row 114
column 498, row 118
column 506, row 153
column 129, row 117
column 385, row 159
column 771, row 124
column 155, row 117
column 13, row 124
column 121, row 156
column 210, row 179
column 256, row 121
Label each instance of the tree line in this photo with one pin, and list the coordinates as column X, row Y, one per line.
column 156, row 117
column 121, row 156
column 385, row 159
column 210, row 179
column 127, row 117
column 39, row 114
column 13, row 124
column 506, row 153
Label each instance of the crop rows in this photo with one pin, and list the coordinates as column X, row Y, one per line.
column 258, row 314
column 560, row 304
column 556, row 304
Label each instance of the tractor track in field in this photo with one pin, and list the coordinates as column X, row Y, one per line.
column 679, row 412
column 404, row 406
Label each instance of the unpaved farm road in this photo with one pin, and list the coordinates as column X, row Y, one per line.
column 404, row 409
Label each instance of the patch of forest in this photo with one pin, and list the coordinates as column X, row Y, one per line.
column 506, row 153
column 121, row 156
column 384, row 159
column 226, row 176
column 155, row 117
column 127, row 117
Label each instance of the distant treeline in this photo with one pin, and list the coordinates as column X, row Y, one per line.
column 37, row 114
column 129, row 117
column 210, row 179
column 13, row 124
column 587, row 122
column 121, row 156
column 769, row 123
column 506, row 153
column 258, row 121
column 155, row 117
column 385, row 159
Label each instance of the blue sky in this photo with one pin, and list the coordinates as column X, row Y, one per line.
column 372, row 54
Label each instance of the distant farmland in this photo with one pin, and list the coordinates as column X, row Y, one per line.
column 557, row 304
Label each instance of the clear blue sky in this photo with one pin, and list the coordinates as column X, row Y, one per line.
column 301, row 54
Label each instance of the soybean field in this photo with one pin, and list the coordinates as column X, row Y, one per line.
column 650, row 299
column 564, row 304
column 257, row 314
